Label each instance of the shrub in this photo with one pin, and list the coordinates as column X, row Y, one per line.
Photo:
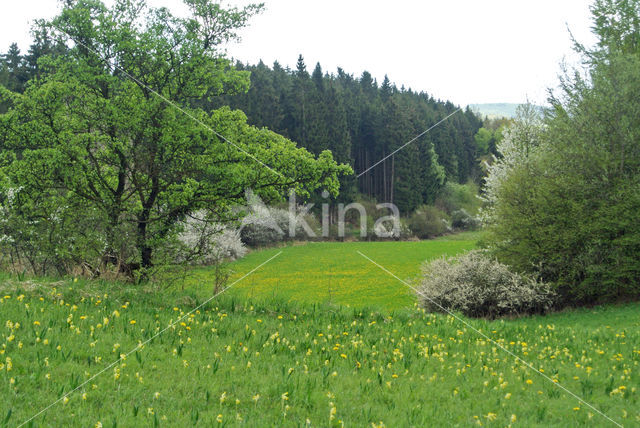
column 455, row 196
column 205, row 242
column 461, row 219
column 266, row 226
column 428, row 222
column 479, row 286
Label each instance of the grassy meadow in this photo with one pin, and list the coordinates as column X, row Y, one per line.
column 334, row 272
column 297, row 357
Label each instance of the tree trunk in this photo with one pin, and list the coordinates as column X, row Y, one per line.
column 393, row 165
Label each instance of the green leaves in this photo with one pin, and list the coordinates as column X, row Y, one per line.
column 109, row 131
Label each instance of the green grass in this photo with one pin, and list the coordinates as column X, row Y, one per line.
column 275, row 363
column 279, row 350
column 334, row 272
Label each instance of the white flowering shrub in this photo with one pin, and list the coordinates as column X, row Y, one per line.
column 461, row 219
column 266, row 226
column 479, row 286
column 520, row 141
column 206, row 242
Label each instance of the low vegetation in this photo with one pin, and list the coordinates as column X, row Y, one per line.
column 242, row 362
column 477, row 285
column 333, row 272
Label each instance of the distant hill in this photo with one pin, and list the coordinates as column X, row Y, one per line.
column 493, row 110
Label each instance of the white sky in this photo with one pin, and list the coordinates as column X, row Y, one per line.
column 468, row 51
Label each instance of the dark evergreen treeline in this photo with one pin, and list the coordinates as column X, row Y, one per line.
column 361, row 122
column 16, row 69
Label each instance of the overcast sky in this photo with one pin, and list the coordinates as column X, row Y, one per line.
column 467, row 51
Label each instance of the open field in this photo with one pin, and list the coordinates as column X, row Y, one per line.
column 334, row 272
column 285, row 364
column 266, row 361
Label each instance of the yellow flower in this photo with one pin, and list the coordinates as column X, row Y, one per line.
column 36, row 323
column 65, row 400
column 256, row 397
column 529, row 381
column 285, row 396
column 132, row 322
column 219, row 419
column 84, row 396
column 513, row 418
column 156, row 395
column 491, row 416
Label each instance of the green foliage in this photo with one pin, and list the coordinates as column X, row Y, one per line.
column 455, row 196
column 428, row 222
column 361, row 122
column 477, row 285
column 85, row 137
column 569, row 212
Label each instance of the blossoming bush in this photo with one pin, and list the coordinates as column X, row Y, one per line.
column 480, row 286
column 209, row 243
column 266, row 226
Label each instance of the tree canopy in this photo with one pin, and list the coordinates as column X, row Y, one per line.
column 105, row 152
column 361, row 122
column 569, row 212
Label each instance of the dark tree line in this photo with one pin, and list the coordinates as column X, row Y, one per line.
column 361, row 122
column 356, row 118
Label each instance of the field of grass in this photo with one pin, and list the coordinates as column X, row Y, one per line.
column 296, row 357
column 234, row 363
column 334, row 272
